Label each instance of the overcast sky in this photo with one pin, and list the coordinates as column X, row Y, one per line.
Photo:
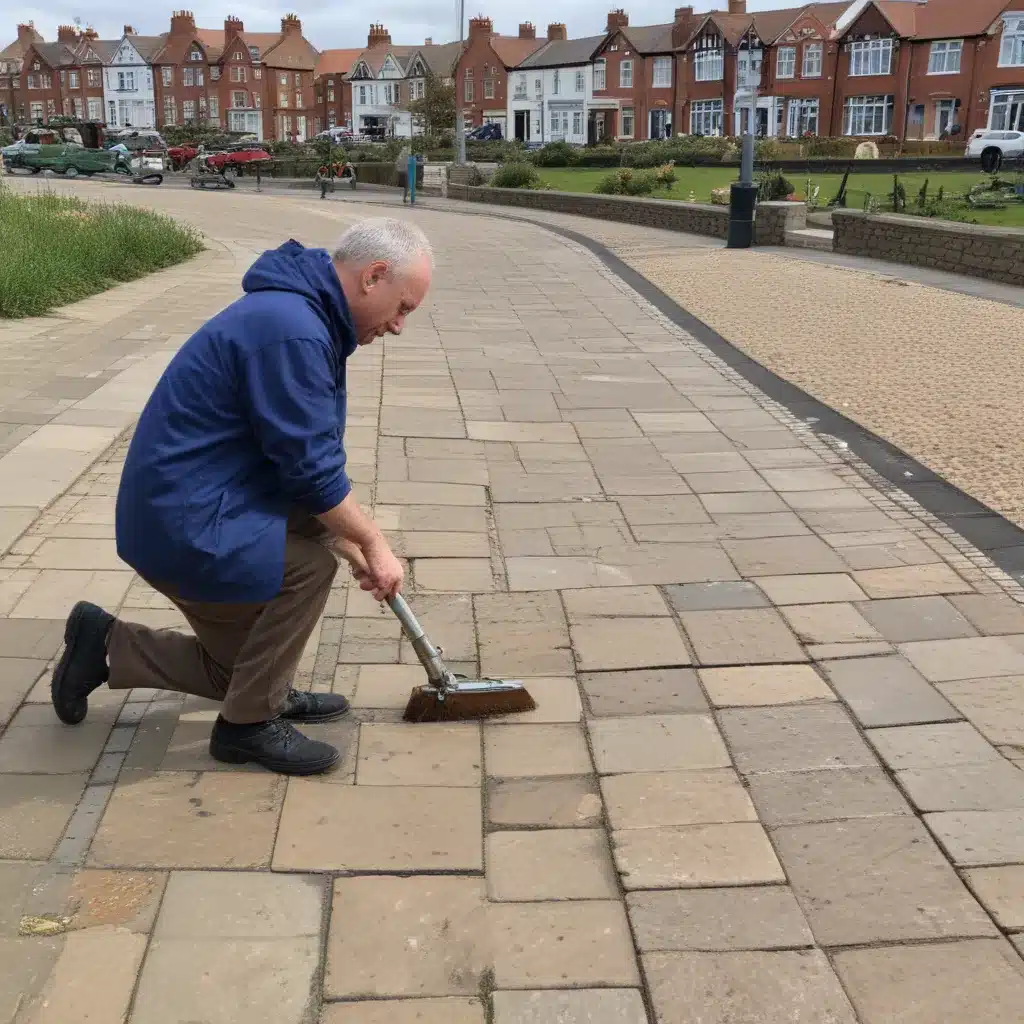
column 329, row 24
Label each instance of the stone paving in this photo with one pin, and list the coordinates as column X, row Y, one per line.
column 774, row 774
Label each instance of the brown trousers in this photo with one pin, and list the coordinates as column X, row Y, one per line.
column 244, row 655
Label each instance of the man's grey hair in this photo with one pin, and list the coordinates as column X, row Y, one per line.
column 396, row 242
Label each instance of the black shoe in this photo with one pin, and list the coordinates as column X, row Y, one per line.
column 308, row 707
column 83, row 665
column 276, row 745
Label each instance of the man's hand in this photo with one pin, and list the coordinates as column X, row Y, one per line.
column 385, row 574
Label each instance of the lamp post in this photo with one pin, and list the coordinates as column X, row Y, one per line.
column 743, row 194
column 460, row 120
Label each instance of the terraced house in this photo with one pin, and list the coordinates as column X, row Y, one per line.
column 332, row 91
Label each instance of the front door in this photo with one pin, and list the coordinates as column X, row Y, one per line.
column 762, row 122
column 944, row 111
column 915, row 123
column 522, row 126
column 300, row 128
column 659, row 121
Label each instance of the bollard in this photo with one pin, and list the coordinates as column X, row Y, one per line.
column 742, row 200
column 410, row 173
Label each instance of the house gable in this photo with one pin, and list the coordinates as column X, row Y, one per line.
column 614, row 42
column 871, row 23
column 390, row 68
column 126, row 53
column 417, row 69
column 361, row 71
column 806, row 28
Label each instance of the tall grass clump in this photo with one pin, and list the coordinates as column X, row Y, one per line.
column 58, row 249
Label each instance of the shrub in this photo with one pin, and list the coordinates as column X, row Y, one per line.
column 666, row 175
column 627, row 182
column 58, row 249
column 600, row 156
column 774, row 186
column 825, row 147
column 555, row 154
column 521, row 175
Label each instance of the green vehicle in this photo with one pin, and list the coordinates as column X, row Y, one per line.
column 66, row 149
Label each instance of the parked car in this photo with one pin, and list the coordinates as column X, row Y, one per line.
column 148, row 151
column 486, row 133
column 337, row 134
column 237, row 157
column 63, row 150
column 994, row 148
column 179, row 156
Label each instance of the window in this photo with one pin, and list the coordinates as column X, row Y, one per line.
column 419, row 89
column 239, row 99
column 125, row 81
column 330, row 95
column 213, row 108
column 467, row 87
column 600, row 74
column 871, row 57
column 332, row 119
column 661, row 77
column 254, row 52
column 1007, row 111
column 627, row 122
column 577, row 122
column 238, row 73
column 867, row 115
column 66, row 107
column 581, row 83
column 520, row 88
column 95, row 108
column 812, row 60
column 92, row 78
column 195, row 55
column 945, row 115
column 30, row 81
column 187, row 77
column 15, row 82
column 298, row 79
column 708, row 65
column 188, row 110
column 785, row 64
column 76, row 107
column 72, row 79
column 215, row 74
column 284, row 79
column 63, row 78
column 257, row 100
column 170, row 110
column 538, row 87
column 257, row 73
column 362, row 94
column 282, row 99
column 626, row 77
column 47, row 80
column 298, row 101
column 488, row 88
column 112, row 116
column 944, row 58
column 1011, row 49
column 706, row 117
column 37, row 111
column 556, row 83
column 389, row 94
column 802, row 118
column 554, row 121
column 167, row 75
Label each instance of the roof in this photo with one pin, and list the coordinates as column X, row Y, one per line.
column 16, row 50
column 827, row 13
column 649, row 38
column 276, row 49
column 147, row 46
column 513, row 50
column 336, row 62
column 560, row 53
column 440, row 58
column 769, row 25
column 103, row 48
column 955, row 19
column 901, row 15
column 55, row 54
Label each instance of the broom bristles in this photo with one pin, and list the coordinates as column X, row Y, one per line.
column 424, row 705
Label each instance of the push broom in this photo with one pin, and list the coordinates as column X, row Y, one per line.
column 446, row 696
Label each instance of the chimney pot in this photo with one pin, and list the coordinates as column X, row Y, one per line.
column 429, row 41
column 291, row 23
column 378, row 36
column 617, row 19
column 480, row 26
column 684, row 13
column 527, row 31
column 556, row 30
column 737, row 6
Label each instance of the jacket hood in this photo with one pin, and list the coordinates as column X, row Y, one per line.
column 309, row 273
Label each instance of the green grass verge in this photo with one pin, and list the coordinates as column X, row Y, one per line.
column 58, row 249
column 701, row 180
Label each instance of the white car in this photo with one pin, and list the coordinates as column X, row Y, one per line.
column 994, row 148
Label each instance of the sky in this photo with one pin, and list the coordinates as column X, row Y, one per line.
column 329, row 25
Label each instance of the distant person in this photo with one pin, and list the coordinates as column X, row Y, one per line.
column 402, row 171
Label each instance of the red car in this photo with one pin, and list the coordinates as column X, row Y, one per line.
column 236, row 159
column 181, row 155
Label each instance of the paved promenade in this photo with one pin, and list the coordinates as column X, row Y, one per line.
column 775, row 772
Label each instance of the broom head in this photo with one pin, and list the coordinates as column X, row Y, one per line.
column 476, row 700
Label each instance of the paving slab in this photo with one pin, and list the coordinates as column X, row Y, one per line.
column 655, row 743
column 979, row 838
column 1001, row 892
column 653, row 799
column 955, row 982
column 748, row 636
column 594, row 1006
column 760, row 987
column 699, row 597
column 991, row 785
column 910, row 619
column 829, row 624
column 759, row 685
column 931, row 746
column 456, row 1010
column 945, row 661
column 573, row 802
column 895, row 884
column 643, row 692
column 549, row 864
column 991, row 614
column 748, row 917
column 535, row 751
column 608, row 644
column 397, row 755
column 994, row 706
column 35, row 811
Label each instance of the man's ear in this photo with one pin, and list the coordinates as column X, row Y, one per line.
column 373, row 273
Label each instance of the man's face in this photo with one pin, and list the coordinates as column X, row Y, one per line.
column 380, row 298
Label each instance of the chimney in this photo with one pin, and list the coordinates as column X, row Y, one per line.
column 683, row 14
column 619, row 19
column 527, row 31
column 480, row 26
column 737, row 6
column 67, row 34
column 129, row 30
column 231, row 26
column 27, row 33
column 429, row 41
column 379, row 36
column 90, row 33
column 556, row 31
column 290, row 24
column 182, row 23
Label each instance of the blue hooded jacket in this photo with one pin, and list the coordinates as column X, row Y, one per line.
column 245, row 425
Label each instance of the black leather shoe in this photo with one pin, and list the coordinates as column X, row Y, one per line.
column 276, row 745
column 303, row 706
column 83, row 665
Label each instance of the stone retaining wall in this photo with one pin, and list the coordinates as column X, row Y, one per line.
column 770, row 226
column 996, row 254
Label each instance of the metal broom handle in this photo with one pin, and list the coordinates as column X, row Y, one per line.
column 429, row 655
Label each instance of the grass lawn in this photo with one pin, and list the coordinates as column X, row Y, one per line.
column 56, row 249
column 701, row 180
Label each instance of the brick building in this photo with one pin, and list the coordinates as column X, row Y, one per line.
column 332, row 91
column 482, row 77
column 12, row 96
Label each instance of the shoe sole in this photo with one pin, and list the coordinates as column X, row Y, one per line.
column 232, row 755
column 60, row 672
column 331, row 716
